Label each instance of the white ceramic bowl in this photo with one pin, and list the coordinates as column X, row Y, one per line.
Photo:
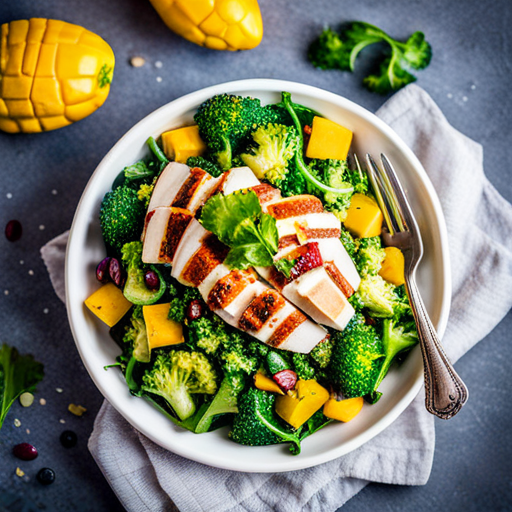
column 85, row 250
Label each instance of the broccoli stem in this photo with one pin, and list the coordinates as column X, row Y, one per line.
column 299, row 162
column 155, row 148
column 181, row 401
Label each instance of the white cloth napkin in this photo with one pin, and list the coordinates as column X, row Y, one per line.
column 147, row 478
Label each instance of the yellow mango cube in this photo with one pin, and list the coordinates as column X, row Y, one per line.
column 109, row 304
column 328, row 140
column 343, row 410
column 162, row 331
column 182, row 143
column 299, row 405
column 392, row 268
column 261, row 381
column 364, row 218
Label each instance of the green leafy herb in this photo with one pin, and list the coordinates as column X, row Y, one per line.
column 332, row 50
column 18, row 373
column 239, row 222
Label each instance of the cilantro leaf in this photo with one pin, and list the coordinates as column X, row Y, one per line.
column 18, row 373
column 239, row 222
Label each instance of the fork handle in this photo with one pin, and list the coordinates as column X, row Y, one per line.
column 445, row 392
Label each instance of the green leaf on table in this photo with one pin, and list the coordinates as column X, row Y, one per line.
column 18, row 374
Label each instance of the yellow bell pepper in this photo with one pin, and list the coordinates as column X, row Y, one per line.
column 364, row 218
column 109, row 304
column 302, row 402
column 216, row 24
column 162, row 331
column 52, row 73
column 392, row 268
column 343, row 410
column 261, row 381
column 328, row 140
column 182, row 143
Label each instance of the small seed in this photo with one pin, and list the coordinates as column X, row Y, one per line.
column 26, row 399
column 77, row 410
column 42, row 401
column 20, row 472
column 137, row 62
column 24, row 451
column 46, row 476
column 17, row 422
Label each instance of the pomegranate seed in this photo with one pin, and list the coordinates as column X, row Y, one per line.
column 286, row 379
column 151, row 280
column 13, row 230
column 102, row 270
column 195, row 309
column 116, row 272
column 24, row 451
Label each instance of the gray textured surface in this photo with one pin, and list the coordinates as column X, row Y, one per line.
column 468, row 78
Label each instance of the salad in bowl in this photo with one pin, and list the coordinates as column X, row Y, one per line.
column 243, row 280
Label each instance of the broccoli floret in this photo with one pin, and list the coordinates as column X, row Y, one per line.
column 121, row 217
column 275, row 147
column 256, row 423
column 334, row 174
column 177, row 376
column 339, row 51
column 205, row 164
column 369, row 256
column 396, row 338
column 348, row 242
column 136, row 336
column 357, row 357
column 375, row 294
column 224, row 402
column 144, row 193
column 322, row 353
column 135, row 289
column 207, row 334
column 294, row 183
column 179, row 304
column 329, row 52
column 303, row 367
column 226, row 122
column 235, row 357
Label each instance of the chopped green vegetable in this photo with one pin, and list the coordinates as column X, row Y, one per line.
column 339, row 51
column 204, row 163
column 18, row 374
column 136, row 337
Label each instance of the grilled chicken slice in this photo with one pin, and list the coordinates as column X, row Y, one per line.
column 182, row 187
column 163, row 231
column 238, row 178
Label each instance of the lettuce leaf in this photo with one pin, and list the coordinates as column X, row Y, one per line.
column 18, row 373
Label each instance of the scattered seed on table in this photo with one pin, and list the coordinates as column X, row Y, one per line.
column 158, row 64
column 77, row 410
column 46, row 476
column 137, row 62
column 6, row 292
column 20, row 472
column 30, row 272
column 158, row 78
column 26, row 399
column 59, row 390
column 17, row 422
column 41, row 227
column 27, row 431
column 8, row 195
column 22, row 262
column 54, row 192
column 62, row 421
column 42, row 401
column 46, row 311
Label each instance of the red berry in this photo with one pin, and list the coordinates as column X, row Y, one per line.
column 24, row 451
column 286, row 379
column 116, row 272
column 151, row 280
column 13, row 230
column 102, row 270
column 195, row 309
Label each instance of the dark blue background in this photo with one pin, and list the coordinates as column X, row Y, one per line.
column 469, row 78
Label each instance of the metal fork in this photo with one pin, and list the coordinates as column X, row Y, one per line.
column 445, row 392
